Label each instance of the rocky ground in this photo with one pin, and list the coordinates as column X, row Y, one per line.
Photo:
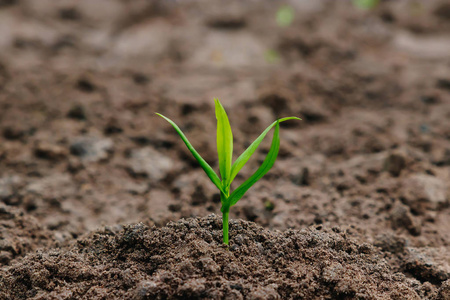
column 99, row 199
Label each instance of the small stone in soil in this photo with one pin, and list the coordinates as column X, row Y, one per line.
column 92, row 149
column 147, row 162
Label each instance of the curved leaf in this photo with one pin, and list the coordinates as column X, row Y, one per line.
column 262, row 170
column 224, row 144
column 205, row 166
column 245, row 156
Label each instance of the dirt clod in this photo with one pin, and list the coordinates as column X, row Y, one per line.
column 92, row 149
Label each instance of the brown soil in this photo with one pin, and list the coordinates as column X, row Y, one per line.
column 359, row 194
column 186, row 259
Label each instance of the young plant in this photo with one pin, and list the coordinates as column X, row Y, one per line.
column 366, row 4
column 285, row 16
column 229, row 170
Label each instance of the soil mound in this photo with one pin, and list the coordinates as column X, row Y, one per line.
column 186, row 259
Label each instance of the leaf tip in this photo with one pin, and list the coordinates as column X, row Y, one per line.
column 217, row 103
column 289, row 118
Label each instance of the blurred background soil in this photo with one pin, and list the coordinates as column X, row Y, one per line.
column 81, row 147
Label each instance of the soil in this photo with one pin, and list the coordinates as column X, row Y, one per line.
column 99, row 199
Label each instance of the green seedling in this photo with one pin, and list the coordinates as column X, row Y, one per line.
column 366, row 4
column 229, row 170
column 285, row 16
column 272, row 56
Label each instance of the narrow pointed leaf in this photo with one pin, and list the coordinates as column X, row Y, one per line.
column 224, row 143
column 205, row 166
column 245, row 156
column 262, row 170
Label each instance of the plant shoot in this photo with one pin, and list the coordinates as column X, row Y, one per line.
column 228, row 169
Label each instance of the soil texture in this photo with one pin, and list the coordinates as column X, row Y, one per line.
column 100, row 199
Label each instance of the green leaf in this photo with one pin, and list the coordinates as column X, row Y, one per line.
column 262, row 170
column 245, row 156
column 224, row 144
column 205, row 166
column 366, row 4
column 285, row 16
